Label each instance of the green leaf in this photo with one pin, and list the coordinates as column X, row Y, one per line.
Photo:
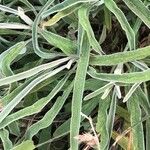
column 121, row 57
column 9, row 55
column 111, row 5
column 143, row 100
column 6, row 99
column 64, row 5
column 49, row 116
column 25, row 145
column 14, row 128
column 98, row 91
column 8, row 108
column 130, row 78
column 139, row 9
column 108, row 21
column 4, row 135
column 111, row 114
column 31, row 72
column 147, row 134
column 66, row 45
column 131, row 91
column 83, row 14
column 105, row 120
column 13, row 25
column 78, row 91
column 137, row 131
column 60, row 15
column 36, row 107
column 36, row 22
column 13, row 32
column 45, row 135
column 101, row 126
column 8, row 9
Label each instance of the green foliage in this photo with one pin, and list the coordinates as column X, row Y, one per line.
column 62, row 59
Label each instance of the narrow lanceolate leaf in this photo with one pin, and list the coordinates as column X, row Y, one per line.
column 36, row 107
column 8, row 9
column 98, row 91
column 111, row 116
column 50, row 115
column 121, row 57
column 108, row 19
column 64, row 5
column 35, row 33
column 144, row 103
column 101, row 126
column 60, row 15
column 147, row 134
column 105, row 120
column 66, row 45
column 134, row 77
column 24, row 17
column 135, row 117
column 143, row 100
column 13, row 32
column 8, row 108
column 83, row 15
column 131, row 91
column 31, row 72
column 111, row 5
column 14, row 26
column 78, row 91
column 9, row 55
column 6, row 99
column 138, row 7
column 14, row 128
column 25, row 145
column 4, row 136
